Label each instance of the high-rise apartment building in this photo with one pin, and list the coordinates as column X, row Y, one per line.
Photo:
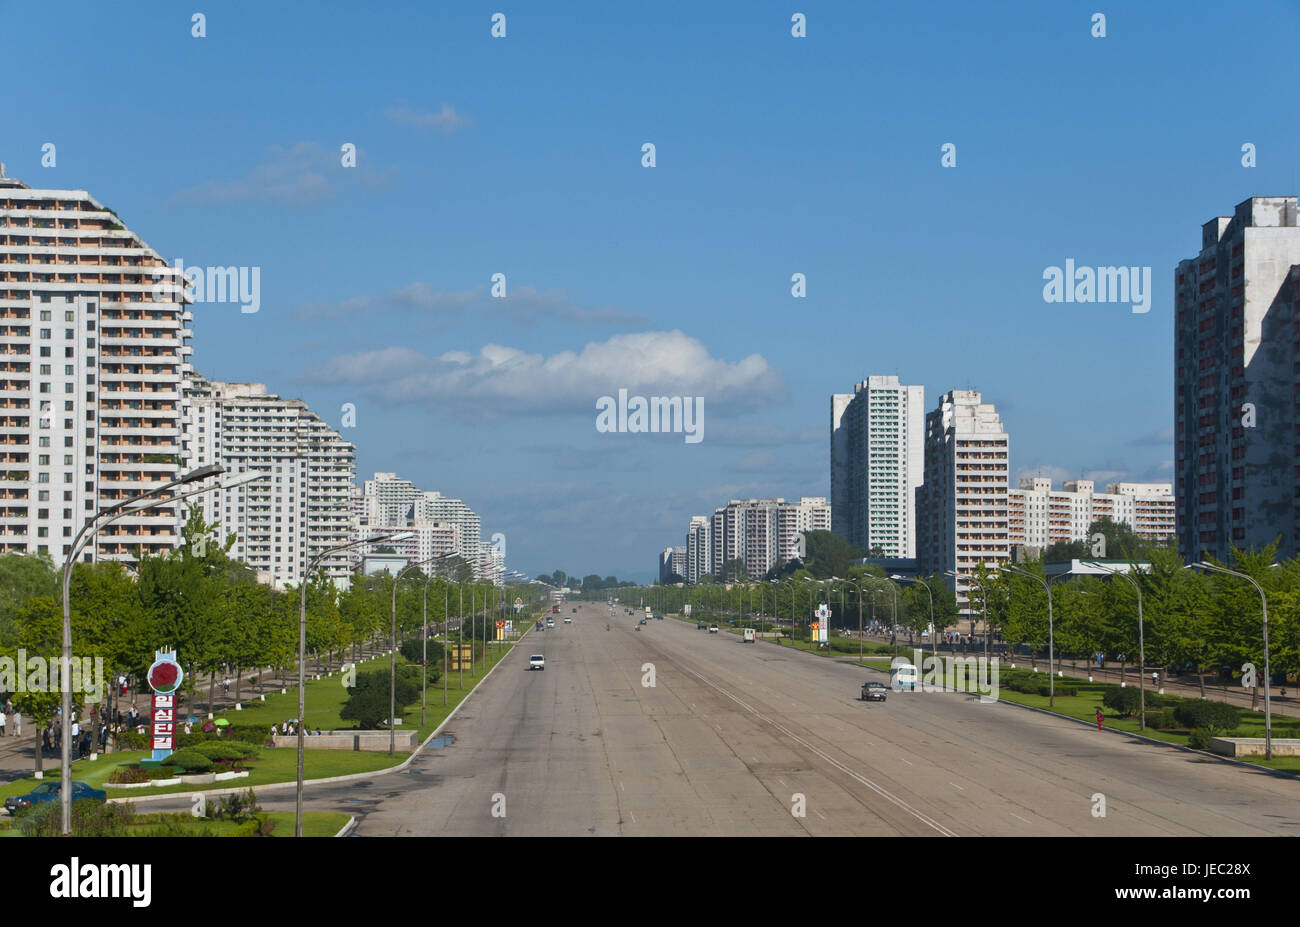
column 92, row 351
column 1039, row 516
column 699, row 550
column 1236, row 415
column 303, row 508
column 441, row 525
column 765, row 532
column 877, row 462
column 962, row 504
column 678, row 561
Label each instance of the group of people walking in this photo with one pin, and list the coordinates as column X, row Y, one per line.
column 11, row 720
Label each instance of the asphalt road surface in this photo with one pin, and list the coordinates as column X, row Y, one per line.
column 735, row 738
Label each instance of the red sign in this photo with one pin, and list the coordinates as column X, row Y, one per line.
column 164, row 721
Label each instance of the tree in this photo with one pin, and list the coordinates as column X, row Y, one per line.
column 733, row 571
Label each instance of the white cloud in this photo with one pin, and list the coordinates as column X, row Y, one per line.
column 445, row 120
column 507, row 381
column 303, row 175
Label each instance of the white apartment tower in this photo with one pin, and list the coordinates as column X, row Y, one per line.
column 962, row 504
column 303, row 508
column 877, row 462
column 699, row 561
column 92, row 352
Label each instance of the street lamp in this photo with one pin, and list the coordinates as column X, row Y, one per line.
column 1142, row 651
column 934, row 632
column 100, row 519
column 392, row 652
column 302, row 652
column 1263, row 599
column 1051, row 634
column 424, row 667
column 858, row 590
column 984, row 600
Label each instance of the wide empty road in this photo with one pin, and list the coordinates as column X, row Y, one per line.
column 748, row 739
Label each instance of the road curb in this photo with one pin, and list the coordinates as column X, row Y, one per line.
column 348, row 826
column 330, row 780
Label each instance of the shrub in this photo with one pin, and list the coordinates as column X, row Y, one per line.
column 125, row 775
column 1124, row 702
column 368, row 700
column 89, row 819
column 1201, row 736
column 1201, row 713
column 1162, row 720
column 190, row 760
column 413, row 651
column 238, row 807
column 232, row 751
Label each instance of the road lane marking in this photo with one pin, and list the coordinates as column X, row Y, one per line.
column 956, row 786
column 879, row 790
column 1018, row 817
column 905, row 761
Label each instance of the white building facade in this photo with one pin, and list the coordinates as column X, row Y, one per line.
column 877, row 463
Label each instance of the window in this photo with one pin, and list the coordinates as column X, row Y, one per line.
column 45, row 370
column 68, row 370
column 69, row 316
column 45, row 333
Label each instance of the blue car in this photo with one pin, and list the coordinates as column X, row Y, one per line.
column 49, row 791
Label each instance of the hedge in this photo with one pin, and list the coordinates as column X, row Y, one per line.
column 1200, row 713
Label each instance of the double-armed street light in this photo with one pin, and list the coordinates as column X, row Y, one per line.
column 302, row 650
column 1051, row 632
column 934, row 632
column 1142, row 647
column 1263, row 600
column 102, row 518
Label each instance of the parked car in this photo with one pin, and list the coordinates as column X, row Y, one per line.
column 713, row 629
column 701, row 625
column 874, row 691
column 537, row 662
column 50, row 791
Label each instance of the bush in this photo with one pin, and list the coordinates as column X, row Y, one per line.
column 1162, row 720
column 238, row 807
column 368, row 700
column 233, row 751
column 1201, row 713
column 128, row 775
column 190, row 760
column 89, row 819
column 1125, row 702
column 413, row 651
column 1200, row 737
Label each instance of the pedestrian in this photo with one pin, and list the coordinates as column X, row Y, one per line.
column 76, row 729
column 1100, row 718
column 2, row 724
column 18, row 724
column 225, row 686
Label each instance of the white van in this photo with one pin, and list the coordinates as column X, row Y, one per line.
column 902, row 676
column 747, row 635
column 537, row 662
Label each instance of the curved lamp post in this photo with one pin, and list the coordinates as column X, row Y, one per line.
column 302, row 652
column 99, row 520
column 1263, row 599
column 1142, row 649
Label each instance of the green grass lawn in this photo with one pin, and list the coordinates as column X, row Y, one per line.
column 1088, row 699
column 324, row 699
column 314, row 824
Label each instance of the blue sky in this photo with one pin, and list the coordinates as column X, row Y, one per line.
column 775, row 155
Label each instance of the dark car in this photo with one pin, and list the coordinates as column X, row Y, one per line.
column 49, row 791
column 874, row 691
column 642, row 621
column 701, row 625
